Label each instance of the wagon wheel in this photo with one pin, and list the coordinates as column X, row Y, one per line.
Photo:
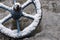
column 17, row 14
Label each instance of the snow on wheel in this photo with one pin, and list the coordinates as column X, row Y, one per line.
column 16, row 13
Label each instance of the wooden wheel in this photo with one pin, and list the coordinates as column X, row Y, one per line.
column 17, row 14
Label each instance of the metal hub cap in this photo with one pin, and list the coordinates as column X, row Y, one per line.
column 16, row 13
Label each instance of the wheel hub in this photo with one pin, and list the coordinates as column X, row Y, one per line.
column 17, row 13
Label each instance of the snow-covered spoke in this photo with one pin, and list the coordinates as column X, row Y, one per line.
column 28, row 2
column 5, row 7
column 28, row 16
column 5, row 19
column 14, row 1
column 18, row 26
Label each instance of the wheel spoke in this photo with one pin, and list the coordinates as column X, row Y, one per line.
column 35, row 7
column 28, row 16
column 5, row 7
column 14, row 1
column 18, row 25
column 6, row 19
column 26, row 4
